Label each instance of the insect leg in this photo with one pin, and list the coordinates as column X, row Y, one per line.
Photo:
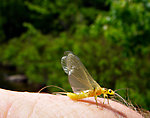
column 96, row 100
column 105, row 96
column 107, row 99
column 95, row 96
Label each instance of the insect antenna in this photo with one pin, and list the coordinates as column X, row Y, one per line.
column 122, row 99
column 128, row 104
column 121, row 89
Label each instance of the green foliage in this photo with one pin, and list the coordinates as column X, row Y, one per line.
column 115, row 39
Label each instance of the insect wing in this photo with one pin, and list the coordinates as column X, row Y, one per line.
column 79, row 78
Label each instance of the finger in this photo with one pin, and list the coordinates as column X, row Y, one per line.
column 35, row 105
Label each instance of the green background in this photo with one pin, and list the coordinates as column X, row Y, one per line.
column 112, row 39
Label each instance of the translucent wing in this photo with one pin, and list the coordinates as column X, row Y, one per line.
column 79, row 78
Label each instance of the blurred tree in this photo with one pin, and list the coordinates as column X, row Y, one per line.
column 12, row 14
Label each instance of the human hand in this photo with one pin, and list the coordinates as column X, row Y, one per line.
column 39, row 105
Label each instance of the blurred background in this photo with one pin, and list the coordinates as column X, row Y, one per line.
column 111, row 37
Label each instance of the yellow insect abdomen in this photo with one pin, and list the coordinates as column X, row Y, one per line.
column 75, row 96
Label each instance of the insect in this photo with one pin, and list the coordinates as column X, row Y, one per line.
column 83, row 85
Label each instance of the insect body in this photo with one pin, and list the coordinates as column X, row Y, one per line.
column 83, row 85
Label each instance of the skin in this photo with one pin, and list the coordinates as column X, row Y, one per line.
column 39, row 105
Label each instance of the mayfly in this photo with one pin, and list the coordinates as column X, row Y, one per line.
column 83, row 85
